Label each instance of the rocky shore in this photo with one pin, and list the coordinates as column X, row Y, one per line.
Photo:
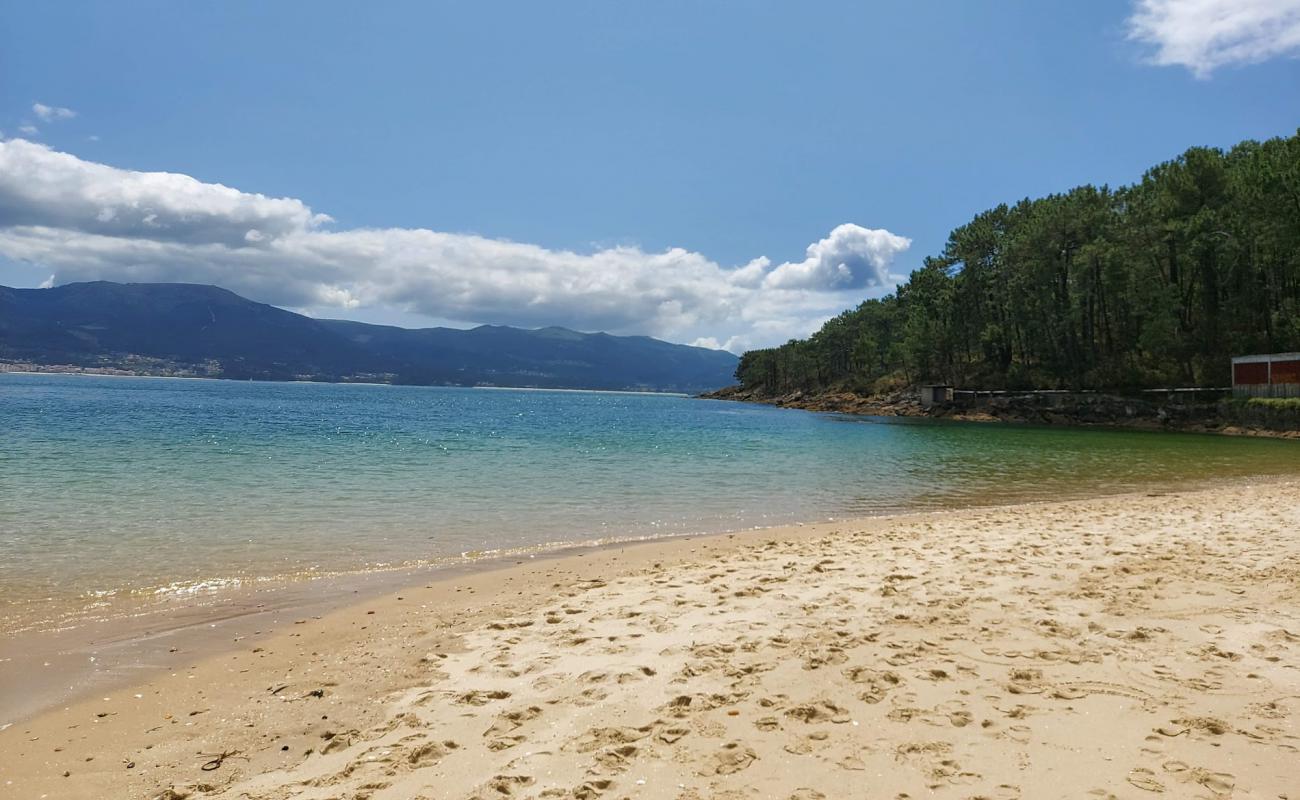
column 1186, row 412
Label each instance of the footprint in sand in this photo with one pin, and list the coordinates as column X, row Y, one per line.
column 481, row 698
column 904, row 714
column 629, row 677
column 1145, row 779
column 338, row 741
column 1221, row 783
column 596, row 738
column 819, row 711
column 507, row 785
column 591, row 789
column 512, row 720
column 429, row 752
column 876, row 683
column 501, row 625
column 546, row 683
column 959, row 719
column 851, row 763
column 732, row 758
column 1210, row 725
column 684, row 704
column 590, row 697
column 933, row 761
column 1273, row 709
column 1025, row 681
column 822, row 657
column 808, row 744
column 1218, row 782
column 617, row 759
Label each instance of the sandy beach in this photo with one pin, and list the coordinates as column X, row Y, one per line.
column 1121, row 647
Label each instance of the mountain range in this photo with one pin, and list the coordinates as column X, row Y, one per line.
column 191, row 329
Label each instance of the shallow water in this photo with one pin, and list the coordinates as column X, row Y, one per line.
column 121, row 491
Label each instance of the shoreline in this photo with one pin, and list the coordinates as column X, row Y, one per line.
column 138, row 643
column 417, row 634
column 53, row 667
column 1020, row 411
column 91, row 372
column 94, row 655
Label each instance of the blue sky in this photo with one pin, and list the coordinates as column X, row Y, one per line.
column 730, row 131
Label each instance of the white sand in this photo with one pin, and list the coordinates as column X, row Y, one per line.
column 1121, row 647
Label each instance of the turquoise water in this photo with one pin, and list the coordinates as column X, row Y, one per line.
column 122, row 487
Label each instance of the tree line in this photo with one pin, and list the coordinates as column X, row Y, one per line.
column 1150, row 285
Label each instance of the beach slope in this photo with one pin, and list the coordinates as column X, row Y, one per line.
column 1117, row 647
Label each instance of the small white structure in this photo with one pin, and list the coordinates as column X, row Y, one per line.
column 935, row 394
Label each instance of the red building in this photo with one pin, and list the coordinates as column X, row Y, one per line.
column 1276, row 375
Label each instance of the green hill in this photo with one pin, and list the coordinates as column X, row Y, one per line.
column 1150, row 285
column 207, row 330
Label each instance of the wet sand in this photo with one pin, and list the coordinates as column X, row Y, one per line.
column 44, row 667
column 1119, row 647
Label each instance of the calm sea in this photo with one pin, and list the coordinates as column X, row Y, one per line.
column 115, row 491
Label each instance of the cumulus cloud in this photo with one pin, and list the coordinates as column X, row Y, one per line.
column 58, row 190
column 852, row 257
column 52, row 113
column 1203, row 35
column 88, row 221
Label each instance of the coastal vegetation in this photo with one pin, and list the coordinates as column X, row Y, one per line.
column 1281, row 403
column 1154, row 284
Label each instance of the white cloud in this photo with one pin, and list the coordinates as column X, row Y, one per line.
column 852, row 257
column 88, row 221
column 736, row 344
column 52, row 113
column 1203, row 35
column 28, row 129
column 41, row 186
